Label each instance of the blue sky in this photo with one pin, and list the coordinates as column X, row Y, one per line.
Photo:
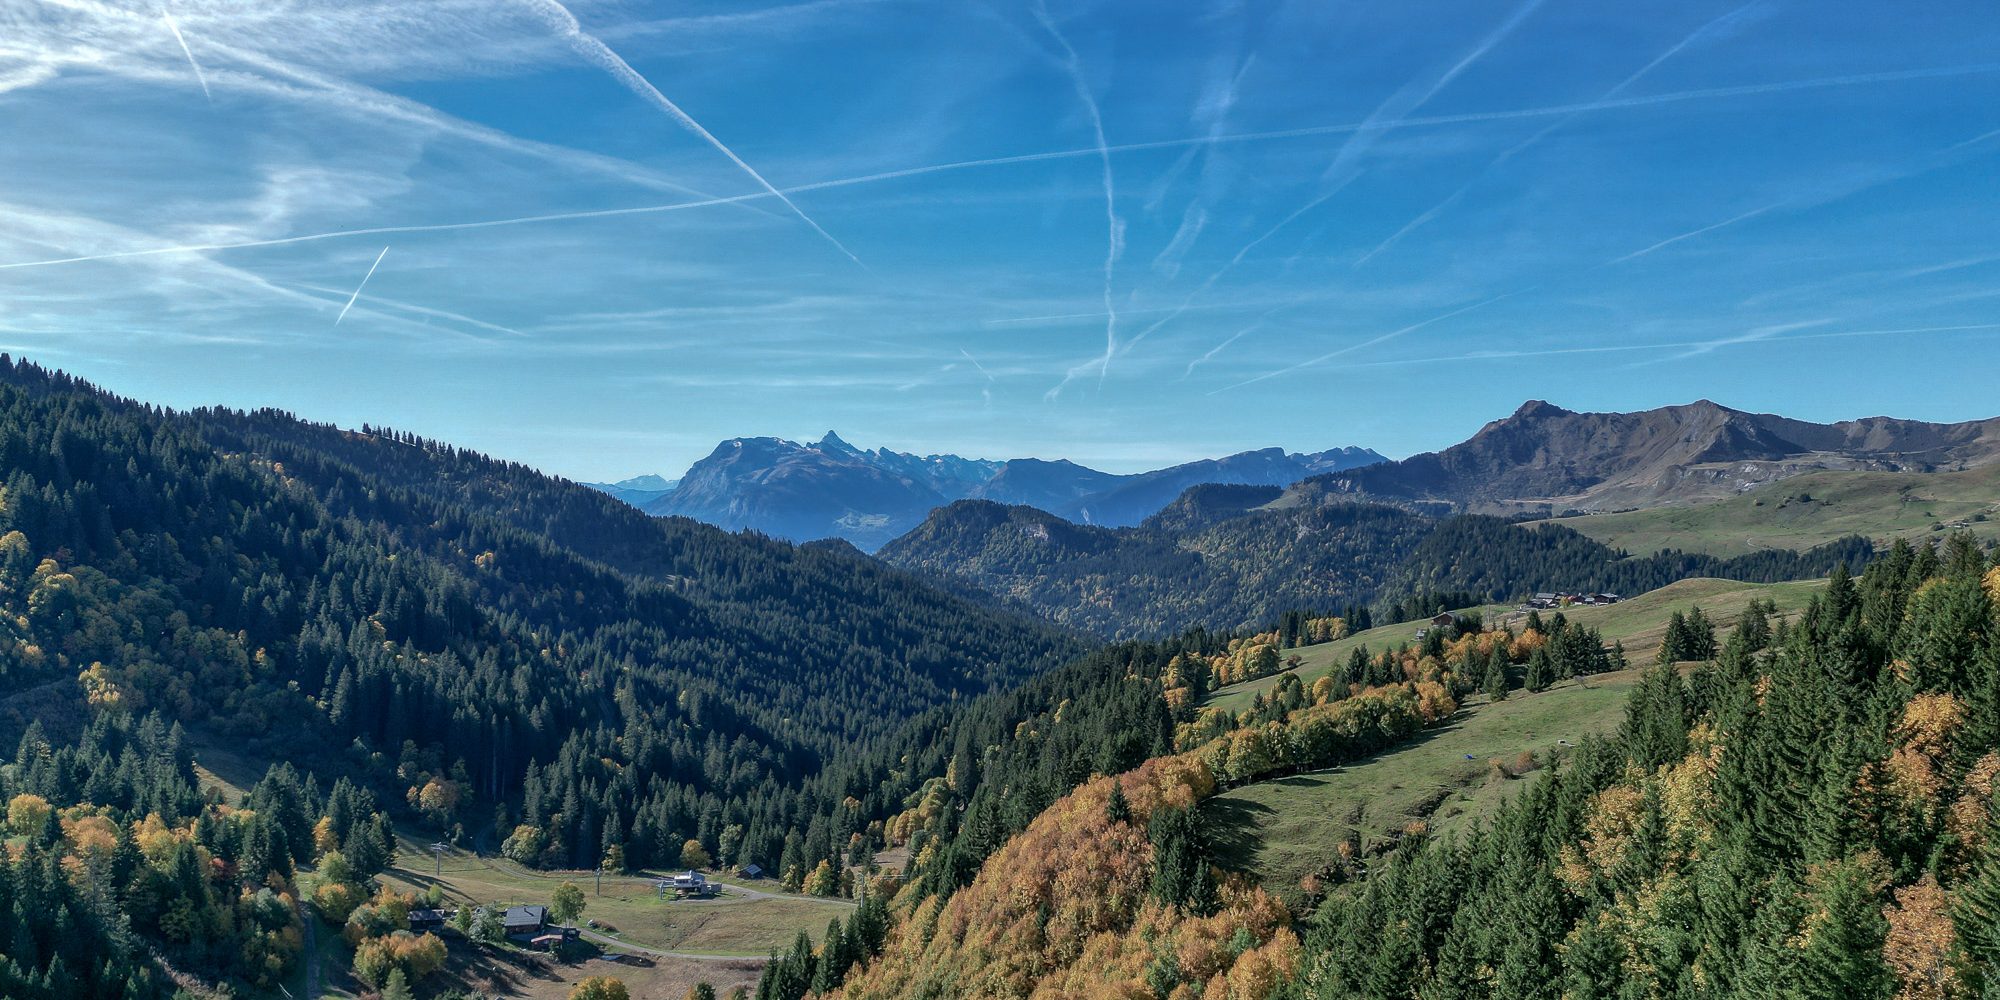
column 605, row 236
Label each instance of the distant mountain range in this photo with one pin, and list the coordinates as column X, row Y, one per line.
column 638, row 490
column 1223, row 555
column 1547, row 459
column 830, row 488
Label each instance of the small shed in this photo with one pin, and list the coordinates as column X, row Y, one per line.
column 753, row 871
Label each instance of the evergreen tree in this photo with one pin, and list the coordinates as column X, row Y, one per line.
column 1539, row 673
column 1494, row 679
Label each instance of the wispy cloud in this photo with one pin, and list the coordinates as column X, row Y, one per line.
column 359, row 287
column 1114, row 227
column 1696, row 346
column 1714, row 93
column 1429, row 215
column 594, row 49
column 1371, row 342
column 1346, row 165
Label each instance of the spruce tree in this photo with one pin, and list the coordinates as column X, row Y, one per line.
column 1844, row 933
column 1116, row 808
column 1976, row 902
column 1494, row 680
column 1539, row 675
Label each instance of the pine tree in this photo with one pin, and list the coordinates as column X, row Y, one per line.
column 1116, row 808
column 1976, row 901
column 1494, row 680
column 397, row 987
column 1843, row 936
column 1539, row 675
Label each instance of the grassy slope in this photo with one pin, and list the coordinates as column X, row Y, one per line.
column 1289, row 827
column 1639, row 623
column 1879, row 505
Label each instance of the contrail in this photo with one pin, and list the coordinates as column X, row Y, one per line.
column 1371, row 342
column 425, row 311
column 1747, row 337
column 198, row 75
column 976, row 364
column 1114, row 229
column 1217, row 349
column 359, row 287
column 1689, row 344
column 1392, row 111
column 1713, row 93
column 1517, row 149
column 1692, row 233
column 596, row 51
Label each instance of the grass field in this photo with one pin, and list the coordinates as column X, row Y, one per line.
column 1640, row 623
column 1287, row 828
column 1878, row 505
column 658, row 947
column 746, row 921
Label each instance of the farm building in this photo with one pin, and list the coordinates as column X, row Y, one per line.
column 423, row 919
column 525, row 921
column 693, row 883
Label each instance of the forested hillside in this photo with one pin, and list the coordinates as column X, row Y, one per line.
column 1229, row 557
column 1812, row 819
column 1808, row 810
column 504, row 651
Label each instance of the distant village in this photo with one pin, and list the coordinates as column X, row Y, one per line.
column 1546, row 601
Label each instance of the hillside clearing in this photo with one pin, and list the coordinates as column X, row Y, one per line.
column 1809, row 510
column 1287, row 828
column 1639, row 623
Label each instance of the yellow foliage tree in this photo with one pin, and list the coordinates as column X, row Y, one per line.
column 27, row 813
column 603, row 988
column 1919, row 945
column 694, row 855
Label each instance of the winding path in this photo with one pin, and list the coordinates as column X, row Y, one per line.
column 307, row 920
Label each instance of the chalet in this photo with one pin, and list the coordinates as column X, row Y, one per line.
column 525, row 921
column 1540, row 601
column 693, row 883
column 422, row 920
column 1444, row 619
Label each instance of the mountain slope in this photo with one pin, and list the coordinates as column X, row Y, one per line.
column 1138, row 497
column 1546, row 457
column 1229, row 557
column 302, row 589
column 830, row 488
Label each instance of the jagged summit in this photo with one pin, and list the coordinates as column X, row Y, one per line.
column 831, row 488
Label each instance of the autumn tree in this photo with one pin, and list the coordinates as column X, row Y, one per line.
column 600, row 988
column 566, row 903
